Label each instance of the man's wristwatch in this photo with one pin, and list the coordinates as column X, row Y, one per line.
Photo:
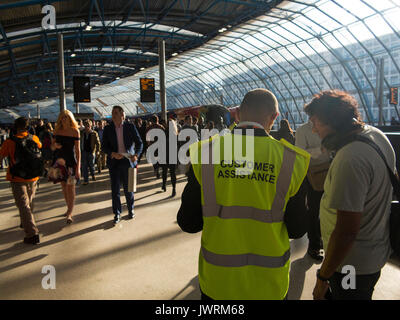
column 323, row 279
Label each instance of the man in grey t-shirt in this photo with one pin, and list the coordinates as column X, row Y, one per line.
column 355, row 207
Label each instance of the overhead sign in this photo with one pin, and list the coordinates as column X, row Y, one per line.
column 394, row 96
column 147, row 90
column 81, row 89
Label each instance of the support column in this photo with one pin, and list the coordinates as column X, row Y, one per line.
column 379, row 87
column 38, row 111
column 61, row 72
column 163, row 93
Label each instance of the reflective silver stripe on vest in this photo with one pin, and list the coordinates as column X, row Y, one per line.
column 241, row 260
column 276, row 214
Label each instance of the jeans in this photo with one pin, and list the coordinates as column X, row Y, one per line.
column 119, row 173
column 364, row 287
column 87, row 164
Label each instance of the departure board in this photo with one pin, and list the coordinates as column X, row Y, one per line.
column 147, row 90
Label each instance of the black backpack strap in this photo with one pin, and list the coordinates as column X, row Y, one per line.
column 393, row 177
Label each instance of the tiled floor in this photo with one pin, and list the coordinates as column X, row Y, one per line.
column 145, row 258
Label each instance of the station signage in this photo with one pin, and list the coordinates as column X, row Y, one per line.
column 147, row 90
column 394, row 96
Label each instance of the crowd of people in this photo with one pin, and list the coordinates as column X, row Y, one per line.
column 246, row 217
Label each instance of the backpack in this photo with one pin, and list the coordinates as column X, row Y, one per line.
column 28, row 159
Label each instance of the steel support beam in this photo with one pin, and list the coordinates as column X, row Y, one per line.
column 163, row 94
column 61, row 72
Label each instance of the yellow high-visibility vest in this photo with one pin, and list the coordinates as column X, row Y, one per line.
column 245, row 246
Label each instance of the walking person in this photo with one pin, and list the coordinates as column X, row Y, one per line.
column 239, row 204
column 47, row 153
column 355, row 206
column 123, row 146
column 23, row 175
column 67, row 155
column 154, row 125
column 90, row 145
column 170, row 164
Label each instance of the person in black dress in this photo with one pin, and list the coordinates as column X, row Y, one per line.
column 67, row 157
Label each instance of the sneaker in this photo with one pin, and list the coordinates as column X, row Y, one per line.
column 117, row 219
column 315, row 254
column 32, row 240
column 85, row 183
column 131, row 215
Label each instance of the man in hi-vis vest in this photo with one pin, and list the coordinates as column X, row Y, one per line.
column 238, row 188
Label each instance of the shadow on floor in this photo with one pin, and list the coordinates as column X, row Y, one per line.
column 298, row 270
column 22, row 263
column 193, row 288
column 53, row 227
column 125, row 251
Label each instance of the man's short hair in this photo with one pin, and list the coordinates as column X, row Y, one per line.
column 21, row 123
column 260, row 101
column 119, row 108
column 335, row 108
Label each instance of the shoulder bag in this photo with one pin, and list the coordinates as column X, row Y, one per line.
column 395, row 206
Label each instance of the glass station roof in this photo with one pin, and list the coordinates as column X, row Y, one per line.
column 296, row 49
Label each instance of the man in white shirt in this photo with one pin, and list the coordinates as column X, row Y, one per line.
column 311, row 142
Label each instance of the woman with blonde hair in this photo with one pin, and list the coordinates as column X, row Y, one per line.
column 67, row 155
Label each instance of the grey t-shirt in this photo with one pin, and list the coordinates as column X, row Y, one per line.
column 358, row 181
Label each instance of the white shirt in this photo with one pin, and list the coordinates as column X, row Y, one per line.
column 311, row 142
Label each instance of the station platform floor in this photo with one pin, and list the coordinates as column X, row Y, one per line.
column 147, row 258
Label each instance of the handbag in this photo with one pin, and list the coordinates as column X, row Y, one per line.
column 316, row 175
column 132, row 179
column 395, row 206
